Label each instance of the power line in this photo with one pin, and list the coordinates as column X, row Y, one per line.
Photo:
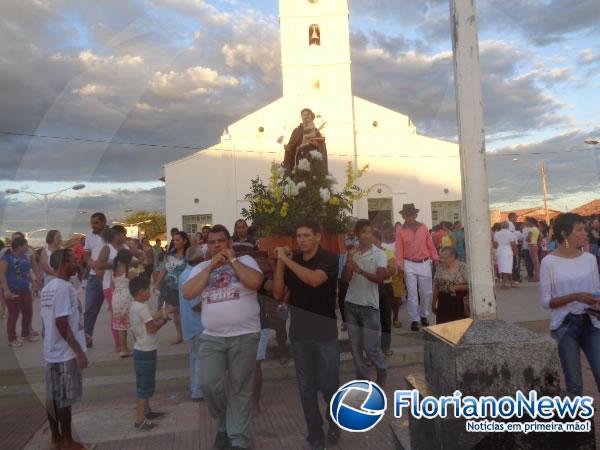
column 242, row 150
column 97, row 141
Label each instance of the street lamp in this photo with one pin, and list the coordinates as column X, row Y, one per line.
column 46, row 196
column 26, row 233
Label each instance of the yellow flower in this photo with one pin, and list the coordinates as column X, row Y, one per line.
column 335, row 201
column 284, row 210
column 274, row 182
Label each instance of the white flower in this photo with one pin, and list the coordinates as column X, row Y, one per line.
column 292, row 189
column 331, row 179
column 282, row 171
column 325, row 194
column 304, row 164
column 316, row 154
column 289, row 188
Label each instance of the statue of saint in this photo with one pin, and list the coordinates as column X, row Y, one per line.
column 314, row 35
column 304, row 139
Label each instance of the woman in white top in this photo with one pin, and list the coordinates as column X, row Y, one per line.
column 53, row 242
column 570, row 286
column 504, row 243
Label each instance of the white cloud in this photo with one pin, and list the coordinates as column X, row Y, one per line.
column 91, row 59
column 513, row 102
column 194, row 81
column 92, row 90
column 148, row 108
column 589, row 56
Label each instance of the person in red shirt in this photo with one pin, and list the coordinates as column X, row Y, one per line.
column 415, row 252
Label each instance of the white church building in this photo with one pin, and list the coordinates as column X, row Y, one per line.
column 209, row 187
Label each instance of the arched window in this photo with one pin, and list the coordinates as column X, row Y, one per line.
column 314, row 35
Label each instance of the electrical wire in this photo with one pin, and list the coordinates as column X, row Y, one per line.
column 242, row 150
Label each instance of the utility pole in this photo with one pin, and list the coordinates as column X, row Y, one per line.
column 545, row 188
column 476, row 203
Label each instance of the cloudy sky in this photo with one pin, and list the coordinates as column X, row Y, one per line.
column 174, row 73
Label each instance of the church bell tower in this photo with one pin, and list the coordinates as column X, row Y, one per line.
column 316, row 66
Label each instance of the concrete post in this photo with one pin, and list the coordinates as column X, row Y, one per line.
column 469, row 106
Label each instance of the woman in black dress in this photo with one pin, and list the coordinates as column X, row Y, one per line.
column 450, row 288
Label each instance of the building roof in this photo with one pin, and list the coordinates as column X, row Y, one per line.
column 589, row 209
column 537, row 213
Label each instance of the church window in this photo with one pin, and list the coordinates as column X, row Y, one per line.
column 314, row 35
column 193, row 224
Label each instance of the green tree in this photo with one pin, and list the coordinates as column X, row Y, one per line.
column 156, row 226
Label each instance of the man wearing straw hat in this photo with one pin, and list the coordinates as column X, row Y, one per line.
column 414, row 255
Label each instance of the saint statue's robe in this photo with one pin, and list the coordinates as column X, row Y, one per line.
column 295, row 151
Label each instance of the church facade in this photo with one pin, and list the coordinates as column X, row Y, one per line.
column 404, row 167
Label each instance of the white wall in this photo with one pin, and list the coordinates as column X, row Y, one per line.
column 220, row 177
column 400, row 159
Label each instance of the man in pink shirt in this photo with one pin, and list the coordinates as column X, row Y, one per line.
column 414, row 255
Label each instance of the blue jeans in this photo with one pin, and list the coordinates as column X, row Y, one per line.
column 317, row 369
column 94, row 297
column 364, row 326
column 195, row 368
column 578, row 333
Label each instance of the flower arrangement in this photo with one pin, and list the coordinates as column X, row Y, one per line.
column 277, row 207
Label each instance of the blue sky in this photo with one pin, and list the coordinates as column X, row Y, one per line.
column 179, row 71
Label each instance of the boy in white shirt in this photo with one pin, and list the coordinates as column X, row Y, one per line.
column 144, row 328
column 64, row 348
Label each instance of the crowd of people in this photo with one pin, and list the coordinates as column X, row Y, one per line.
column 527, row 242
column 227, row 299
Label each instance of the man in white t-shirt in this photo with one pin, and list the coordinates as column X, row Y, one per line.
column 64, row 348
column 94, row 296
column 228, row 287
column 365, row 270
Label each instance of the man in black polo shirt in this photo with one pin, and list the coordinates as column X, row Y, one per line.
column 311, row 278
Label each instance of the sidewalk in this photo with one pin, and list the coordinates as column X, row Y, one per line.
column 189, row 425
column 109, row 423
